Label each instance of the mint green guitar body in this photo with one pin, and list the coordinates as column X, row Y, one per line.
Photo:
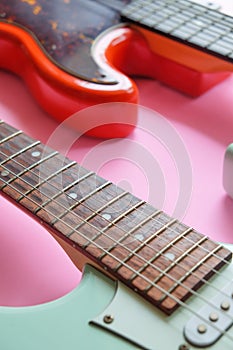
column 104, row 314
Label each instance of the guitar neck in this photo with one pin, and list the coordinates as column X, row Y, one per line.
column 156, row 255
column 186, row 22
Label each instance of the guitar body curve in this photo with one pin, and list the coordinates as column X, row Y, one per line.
column 165, row 266
column 76, row 54
column 61, row 94
column 64, row 323
column 101, row 313
column 59, row 89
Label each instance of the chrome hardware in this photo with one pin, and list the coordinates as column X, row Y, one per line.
column 212, row 321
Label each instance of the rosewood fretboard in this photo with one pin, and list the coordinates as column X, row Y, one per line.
column 159, row 257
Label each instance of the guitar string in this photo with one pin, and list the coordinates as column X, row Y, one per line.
column 174, row 298
column 139, row 225
column 118, row 242
column 135, row 271
column 111, row 222
column 190, row 290
column 161, row 271
column 176, row 247
column 154, row 259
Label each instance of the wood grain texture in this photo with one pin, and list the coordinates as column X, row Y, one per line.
column 160, row 257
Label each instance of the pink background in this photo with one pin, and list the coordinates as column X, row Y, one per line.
column 33, row 268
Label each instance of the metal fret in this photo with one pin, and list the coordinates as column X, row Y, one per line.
column 191, row 24
column 17, row 176
column 134, row 253
column 150, row 238
column 189, row 272
column 67, row 188
column 144, row 277
column 143, row 222
column 115, row 221
column 92, row 239
column 46, row 180
column 107, row 183
column 20, row 152
column 175, row 262
column 96, row 212
column 11, row 136
column 80, row 201
column 135, row 206
column 161, row 251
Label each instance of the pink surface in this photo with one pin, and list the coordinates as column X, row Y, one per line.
column 33, row 268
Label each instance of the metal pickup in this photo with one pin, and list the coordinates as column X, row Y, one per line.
column 213, row 321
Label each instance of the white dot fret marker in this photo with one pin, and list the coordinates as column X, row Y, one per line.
column 36, row 154
column 106, row 216
column 73, row 195
column 5, row 173
column 139, row 236
column 170, row 256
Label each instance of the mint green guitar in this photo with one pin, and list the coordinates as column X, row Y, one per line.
column 160, row 285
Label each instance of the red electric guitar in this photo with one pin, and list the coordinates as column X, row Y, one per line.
column 76, row 53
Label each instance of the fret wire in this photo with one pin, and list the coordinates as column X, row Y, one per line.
column 54, row 186
column 191, row 256
column 111, row 223
column 187, row 288
column 17, row 176
column 65, row 189
column 65, row 167
column 77, row 216
column 40, row 207
column 178, row 301
column 20, row 152
column 96, row 212
column 128, row 233
column 34, row 187
column 114, row 223
column 189, row 240
column 176, row 262
column 150, row 238
column 117, row 242
column 107, row 183
column 188, row 255
column 179, row 282
column 11, row 136
column 39, row 142
column 161, row 251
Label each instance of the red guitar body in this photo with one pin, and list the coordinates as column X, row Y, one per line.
column 73, row 54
